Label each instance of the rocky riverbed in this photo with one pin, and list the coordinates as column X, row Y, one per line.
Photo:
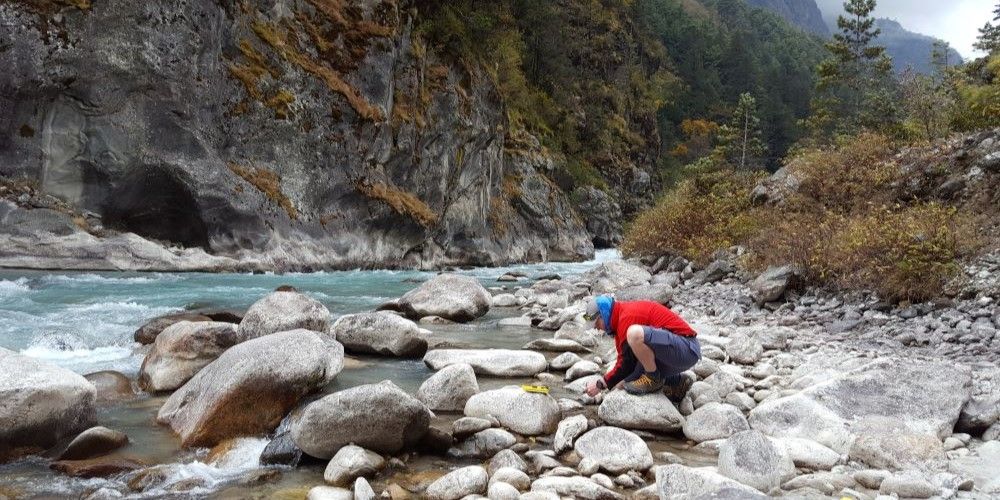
column 801, row 393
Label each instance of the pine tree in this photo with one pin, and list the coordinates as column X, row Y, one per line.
column 989, row 35
column 856, row 88
column 741, row 142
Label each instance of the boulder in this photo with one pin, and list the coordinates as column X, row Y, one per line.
column 505, row 300
column 380, row 417
column 578, row 333
column 651, row 412
column 744, row 349
column 615, row 450
column 91, row 443
column 502, row 491
column 750, row 458
column 574, row 487
column 471, row 480
column 182, row 350
column 96, row 467
column 828, row 483
column 714, row 421
column 582, row 369
column 567, row 432
column 555, row 345
column 282, row 312
column 40, row 404
column 467, row 426
column 809, row 454
column 615, row 275
column 329, row 493
column 507, row 459
column 350, row 463
column 382, row 333
column 449, row 388
column 564, row 361
column 887, row 443
column 910, row 484
column 484, row 444
column 772, row 283
column 525, row 413
column 147, row 333
column 927, row 395
column 659, row 293
column 251, row 387
column 363, row 490
column 111, row 386
column 982, row 467
column 511, row 476
column 680, row 482
column 450, row 296
column 714, row 272
column 493, row 362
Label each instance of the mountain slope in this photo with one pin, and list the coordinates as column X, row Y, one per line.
column 802, row 13
column 909, row 49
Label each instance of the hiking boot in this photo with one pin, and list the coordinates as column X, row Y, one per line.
column 643, row 385
column 677, row 392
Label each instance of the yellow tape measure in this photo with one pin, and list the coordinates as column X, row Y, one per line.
column 537, row 389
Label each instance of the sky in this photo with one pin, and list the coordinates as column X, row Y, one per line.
column 955, row 21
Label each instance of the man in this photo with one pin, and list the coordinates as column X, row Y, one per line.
column 654, row 346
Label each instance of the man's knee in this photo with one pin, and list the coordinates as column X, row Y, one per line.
column 635, row 335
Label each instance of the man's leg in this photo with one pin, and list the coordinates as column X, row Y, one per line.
column 672, row 354
column 651, row 380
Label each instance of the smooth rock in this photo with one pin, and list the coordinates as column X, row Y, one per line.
column 659, row 293
column 91, row 443
column 567, row 432
column 507, row 459
column 471, row 480
column 582, row 369
column 680, row 482
column 744, row 349
column 616, row 450
column 770, row 285
column 268, row 374
column 450, row 296
column 615, row 275
column 714, row 421
column 147, row 333
column 450, row 388
column 555, row 345
column 809, row 454
column 379, row 417
column 525, row 413
column 96, row 467
column 574, row 487
column 511, row 476
column 653, row 412
column 828, row 483
column 564, row 361
column 351, row 462
column 282, row 312
column 467, row 426
column 750, row 458
column 363, row 490
column 908, row 485
column 484, row 444
column 181, row 350
column 493, row 362
column 502, row 491
column 887, row 443
column 329, row 493
column 382, row 333
column 111, row 386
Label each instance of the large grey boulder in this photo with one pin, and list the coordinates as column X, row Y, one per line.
column 40, row 404
column 659, row 293
column 181, row 350
column 809, row 454
column 567, row 432
column 680, row 482
column 574, row 487
column 887, row 443
column 714, row 421
column 250, row 388
column 471, row 480
column 754, row 460
column 381, row 333
column 614, row 275
column 772, row 283
column 652, row 412
column 744, row 348
column 449, row 388
column 615, row 450
column 379, row 417
column 483, row 444
column 450, row 296
column 927, row 395
column 525, row 413
column 91, row 443
column 281, row 312
column 350, row 463
column 493, row 362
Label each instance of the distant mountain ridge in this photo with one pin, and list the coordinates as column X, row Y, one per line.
column 804, row 14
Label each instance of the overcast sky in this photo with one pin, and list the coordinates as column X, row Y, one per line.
column 956, row 21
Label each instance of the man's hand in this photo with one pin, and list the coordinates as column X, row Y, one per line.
column 594, row 387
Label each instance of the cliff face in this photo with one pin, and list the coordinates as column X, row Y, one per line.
column 307, row 134
column 802, row 13
column 909, row 49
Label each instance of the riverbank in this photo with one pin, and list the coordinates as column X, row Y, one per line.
column 833, row 388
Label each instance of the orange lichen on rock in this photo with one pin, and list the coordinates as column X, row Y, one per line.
column 400, row 201
column 268, row 183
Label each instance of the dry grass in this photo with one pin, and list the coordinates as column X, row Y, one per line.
column 402, row 202
column 268, row 183
column 281, row 103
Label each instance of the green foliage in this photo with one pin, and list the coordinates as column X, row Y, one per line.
column 740, row 142
column 989, row 35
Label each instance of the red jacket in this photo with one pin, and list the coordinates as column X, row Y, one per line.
column 642, row 313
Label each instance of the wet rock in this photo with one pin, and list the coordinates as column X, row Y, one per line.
column 652, row 412
column 511, row 476
column 350, row 463
column 612, row 276
column 574, row 487
column 381, row 333
column 380, row 417
column 928, row 396
column 146, row 334
column 714, row 421
column 281, row 450
column 111, row 386
column 449, row 388
column 214, row 405
column 772, row 283
column 616, row 450
column 484, row 444
column 908, row 485
column 493, row 362
column 680, row 482
column 752, row 459
column 567, row 432
column 282, row 312
column 450, row 296
column 27, row 425
column 564, row 361
column 435, row 442
column 182, row 350
column 329, row 493
column 91, row 443
column 459, row 483
column 507, row 459
column 525, row 413
column 744, row 349
column 96, row 467
column 809, row 454
column 555, row 345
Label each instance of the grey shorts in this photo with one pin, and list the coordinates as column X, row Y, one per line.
column 674, row 353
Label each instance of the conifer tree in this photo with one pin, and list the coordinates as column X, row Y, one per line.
column 741, row 142
column 989, row 35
